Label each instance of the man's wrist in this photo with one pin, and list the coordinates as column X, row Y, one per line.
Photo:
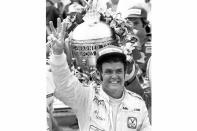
column 58, row 59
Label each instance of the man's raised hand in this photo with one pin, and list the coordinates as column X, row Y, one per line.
column 56, row 38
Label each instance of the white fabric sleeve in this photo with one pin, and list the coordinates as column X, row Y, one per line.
column 68, row 88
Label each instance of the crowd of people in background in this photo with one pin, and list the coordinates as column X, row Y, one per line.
column 55, row 9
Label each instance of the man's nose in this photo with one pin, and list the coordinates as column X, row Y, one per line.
column 114, row 74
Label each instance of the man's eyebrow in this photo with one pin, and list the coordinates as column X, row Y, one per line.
column 108, row 69
column 119, row 69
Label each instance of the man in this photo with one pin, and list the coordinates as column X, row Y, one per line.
column 138, row 15
column 74, row 12
column 108, row 107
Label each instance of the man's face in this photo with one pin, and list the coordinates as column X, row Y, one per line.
column 113, row 78
column 138, row 25
column 72, row 16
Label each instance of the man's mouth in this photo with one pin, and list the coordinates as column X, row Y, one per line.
column 115, row 82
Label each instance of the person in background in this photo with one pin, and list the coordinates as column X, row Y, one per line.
column 76, row 6
column 74, row 12
column 109, row 106
column 137, row 12
column 138, row 16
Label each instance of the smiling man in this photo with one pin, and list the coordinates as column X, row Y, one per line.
column 108, row 106
column 111, row 63
column 105, row 107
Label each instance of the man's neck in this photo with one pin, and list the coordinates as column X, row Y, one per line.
column 114, row 95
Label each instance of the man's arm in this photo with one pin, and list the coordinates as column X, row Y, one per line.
column 68, row 88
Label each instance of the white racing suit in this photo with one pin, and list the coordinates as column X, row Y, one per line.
column 92, row 106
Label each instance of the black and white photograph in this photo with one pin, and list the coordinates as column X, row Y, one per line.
column 98, row 58
column 98, row 65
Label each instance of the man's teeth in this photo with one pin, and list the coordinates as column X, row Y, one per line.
column 114, row 82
